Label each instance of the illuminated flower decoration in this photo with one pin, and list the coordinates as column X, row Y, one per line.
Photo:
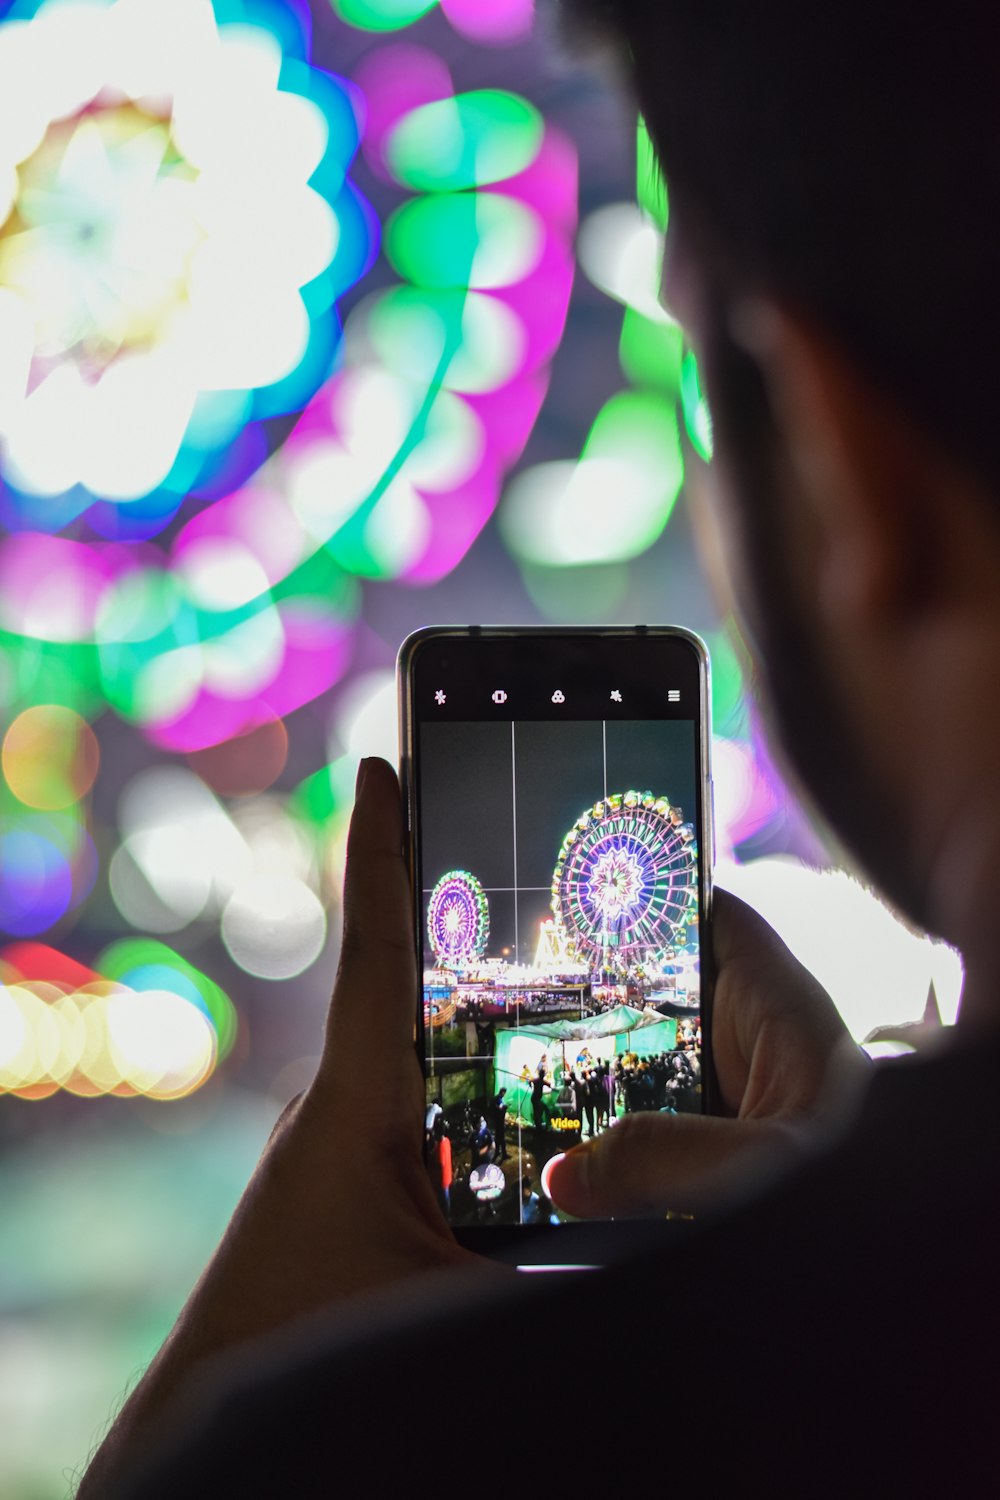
column 176, row 225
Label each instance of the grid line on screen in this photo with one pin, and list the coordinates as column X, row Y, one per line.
column 513, row 813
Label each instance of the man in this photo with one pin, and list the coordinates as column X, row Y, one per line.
column 538, row 1086
column 832, row 253
column 500, row 1124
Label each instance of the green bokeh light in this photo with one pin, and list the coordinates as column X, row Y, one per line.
column 459, row 240
column 143, row 620
column 650, row 185
column 143, row 963
column 729, row 714
column 316, row 799
column 697, row 417
column 585, row 595
column 463, row 142
column 651, row 353
column 638, row 428
column 36, row 671
column 381, row 15
column 611, row 505
column 446, row 338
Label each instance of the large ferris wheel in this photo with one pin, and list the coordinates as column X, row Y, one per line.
column 625, row 885
column 458, row 919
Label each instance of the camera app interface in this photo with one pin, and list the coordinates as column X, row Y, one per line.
column 559, row 872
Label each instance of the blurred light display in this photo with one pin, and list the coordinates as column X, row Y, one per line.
column 146, row 1022
column 285, row 288
column 398, row 464
column 178, row 228
column 556, row 515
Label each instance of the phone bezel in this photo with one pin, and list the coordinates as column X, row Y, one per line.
column 511, row 1242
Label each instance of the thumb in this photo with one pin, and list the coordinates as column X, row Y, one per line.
column 648, row 1164
column 373, row 1010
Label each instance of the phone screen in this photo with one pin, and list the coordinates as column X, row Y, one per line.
column 558, row 787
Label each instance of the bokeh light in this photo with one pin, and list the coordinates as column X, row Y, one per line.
column 50, row 757
column 558, row 514
column 382, row 15
column 149, row 144
column 154, row 1026
column 274, row 926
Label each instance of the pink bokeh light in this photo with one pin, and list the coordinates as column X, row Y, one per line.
column 491, row 20
column 396, row 80
column 51, row 588
column 317, row 650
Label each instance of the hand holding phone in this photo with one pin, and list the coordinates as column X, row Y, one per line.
column 338, row 1206
column 776, row 1038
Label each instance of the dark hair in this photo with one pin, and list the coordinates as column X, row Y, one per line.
column 840, row 158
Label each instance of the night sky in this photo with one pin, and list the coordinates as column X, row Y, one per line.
column 471, row 797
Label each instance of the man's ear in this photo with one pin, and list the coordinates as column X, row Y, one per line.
column 858, row 467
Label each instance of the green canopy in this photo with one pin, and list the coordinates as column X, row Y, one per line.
column 624, row 1029
column 608, row 1023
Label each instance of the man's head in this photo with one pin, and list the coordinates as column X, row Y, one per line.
column 838, row 158
column 832, row 253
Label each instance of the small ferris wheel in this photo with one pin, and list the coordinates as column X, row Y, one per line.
column 458, row 919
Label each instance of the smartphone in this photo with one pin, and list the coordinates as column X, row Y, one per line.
column 558, row 801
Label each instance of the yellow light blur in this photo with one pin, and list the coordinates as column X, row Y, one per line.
column 104, row 1038
column 161, row 1045
column 17, row 1040
column 96, row 1072
column 50, row 757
